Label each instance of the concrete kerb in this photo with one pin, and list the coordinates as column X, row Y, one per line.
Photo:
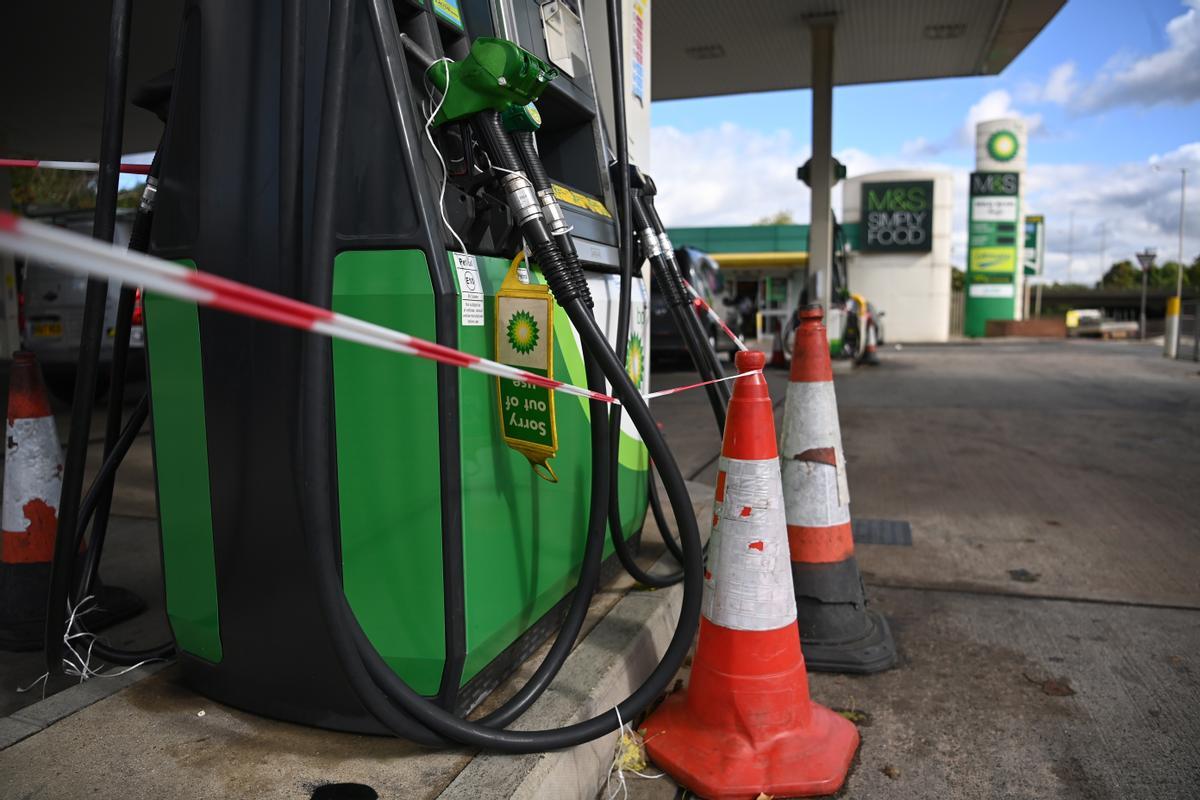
column 41, row 715
column 614, row 659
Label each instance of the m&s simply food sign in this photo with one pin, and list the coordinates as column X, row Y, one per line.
column 897, row 217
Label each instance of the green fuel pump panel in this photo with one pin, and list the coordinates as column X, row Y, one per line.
column 455, row 555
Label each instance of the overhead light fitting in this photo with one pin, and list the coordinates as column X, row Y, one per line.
column 704, row 52
column 945, row 31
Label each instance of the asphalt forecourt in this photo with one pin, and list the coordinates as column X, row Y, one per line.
column 1047, row 613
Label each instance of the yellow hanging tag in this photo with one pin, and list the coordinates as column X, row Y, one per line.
column 525, row 339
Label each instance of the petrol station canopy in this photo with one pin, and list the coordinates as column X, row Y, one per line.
column 55, row 51
column 702, row 48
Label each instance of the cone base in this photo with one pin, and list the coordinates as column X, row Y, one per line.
column 873, row 651
column 724, row 764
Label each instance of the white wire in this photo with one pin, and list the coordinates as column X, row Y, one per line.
column 81, row 666
column 445, row 170
column 622, row 786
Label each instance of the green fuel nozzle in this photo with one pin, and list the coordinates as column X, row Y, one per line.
column 495, row 75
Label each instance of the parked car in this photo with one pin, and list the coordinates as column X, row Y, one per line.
column 704, row 275
column 51, row 312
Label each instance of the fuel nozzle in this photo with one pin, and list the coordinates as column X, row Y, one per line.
column 494, row 75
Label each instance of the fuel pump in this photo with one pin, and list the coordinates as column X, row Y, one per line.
column 318, row 501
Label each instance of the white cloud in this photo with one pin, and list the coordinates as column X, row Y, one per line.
column 996, row 104
column 1170, row 76
column 729, row 175
column 1119, row 209
column 1060, row 87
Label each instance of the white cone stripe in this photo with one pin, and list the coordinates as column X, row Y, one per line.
column 32, row 469
column 748, row 581
column 812, row 490
column 810, row 421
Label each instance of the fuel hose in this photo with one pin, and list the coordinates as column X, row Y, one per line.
column 386, row 696
column 552, row 214
column 648, row 191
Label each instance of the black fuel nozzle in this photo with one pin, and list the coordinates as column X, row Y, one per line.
column 637, row 178
column 649, row 188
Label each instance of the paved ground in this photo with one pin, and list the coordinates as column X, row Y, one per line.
column 1075, row 462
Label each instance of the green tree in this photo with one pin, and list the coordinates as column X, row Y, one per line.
column 62, row 190
column 1121, row 275
column 958, row 279
column 778, row 218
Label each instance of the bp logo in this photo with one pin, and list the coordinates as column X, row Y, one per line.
column 635, row 359
column 1002, row 146
column 523, row 332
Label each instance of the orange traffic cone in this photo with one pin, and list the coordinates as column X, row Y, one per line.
column 778, row 358
column 870, row 356
column 32, row 484
column 33, row 469
column 745, row 724
column 839, row 633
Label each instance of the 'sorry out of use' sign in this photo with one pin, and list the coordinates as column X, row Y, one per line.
column 897, row 217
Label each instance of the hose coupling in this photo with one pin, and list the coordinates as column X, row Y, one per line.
column 521, row 197
column 650, row 242
column 146, row 204
column 553, row 213
column 665, row 241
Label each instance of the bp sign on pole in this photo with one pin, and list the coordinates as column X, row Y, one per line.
column 995, row 226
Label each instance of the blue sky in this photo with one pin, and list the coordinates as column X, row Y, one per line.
column 1108, row 89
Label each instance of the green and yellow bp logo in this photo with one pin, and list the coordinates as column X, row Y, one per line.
column 1002, row 145
column 522, row 332
column 635, row 360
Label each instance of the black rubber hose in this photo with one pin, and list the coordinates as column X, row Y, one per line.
column 343, row 625
column 649, row 192
column 104, row 484
column 707, row 350
column 660, row 517
column 684, row 314
column 315, row 435
column 105, row 476
column 541, row 182
column 337, row 608
column 565, row 283
column 593, row 559
column 92, row 329
column 706, row 354
column 532, row 161
column 625, row 259
column 474, row 734
column 589, row 571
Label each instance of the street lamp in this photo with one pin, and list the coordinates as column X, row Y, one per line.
column 1146, row 260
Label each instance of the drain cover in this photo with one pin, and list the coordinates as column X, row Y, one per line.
column 882, row 531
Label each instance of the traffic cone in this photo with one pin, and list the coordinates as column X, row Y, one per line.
column 778, row 359
column 839, row 633
column 870, row 356
column 33, row 469
column 745, row 724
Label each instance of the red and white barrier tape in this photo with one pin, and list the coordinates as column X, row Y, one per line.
column 698, row 302
column 74, row 166
column 678, row 389
column 82, row 254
